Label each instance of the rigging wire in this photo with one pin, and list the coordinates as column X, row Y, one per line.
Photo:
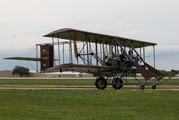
column 27, row 51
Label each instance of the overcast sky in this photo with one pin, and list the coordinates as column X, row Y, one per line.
column 24, row 22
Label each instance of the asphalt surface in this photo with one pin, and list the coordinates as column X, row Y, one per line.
column 85, row 87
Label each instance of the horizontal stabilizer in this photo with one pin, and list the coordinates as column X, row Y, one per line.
column 23, row 58
column 26, row 58
column 156, row 72
column 145, row 73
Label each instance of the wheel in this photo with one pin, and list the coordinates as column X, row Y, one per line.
column 142, row 87
column 101, row 83
column 119, row 81
column 153, row 87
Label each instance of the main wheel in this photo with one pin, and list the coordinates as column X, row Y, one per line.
column 142, row 87
column 153, row 87
column 118, row 81
column 101, row 83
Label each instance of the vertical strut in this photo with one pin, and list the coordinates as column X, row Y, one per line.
column 115, row 46
column 124, row 45
column 96, row 51
column 90, row 50
column 63, row 52
column 143, row 52
column 121, row 44
column 87, row 49
column 58, row 51
column 100, row 49
column 53, row 50
column 112, row 52
column 154, row 54
column 103, row 53
column 36, row 57
column 140, row 53
column 70, row 52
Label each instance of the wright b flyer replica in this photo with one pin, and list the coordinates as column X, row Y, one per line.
column 111, row 57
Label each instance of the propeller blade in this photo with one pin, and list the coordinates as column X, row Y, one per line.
column 75, row 48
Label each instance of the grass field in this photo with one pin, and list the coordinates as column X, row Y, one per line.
column 64, row 82
column 86, row 104
column 89, row 105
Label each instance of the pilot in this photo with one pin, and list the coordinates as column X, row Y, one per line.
column 135, row 59
column 125, row 60
column 131, row 54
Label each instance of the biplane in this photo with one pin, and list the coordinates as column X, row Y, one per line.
column 98, row 53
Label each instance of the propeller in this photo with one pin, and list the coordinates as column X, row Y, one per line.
column 104, row 56
column 75, row 48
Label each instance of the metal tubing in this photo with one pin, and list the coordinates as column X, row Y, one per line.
column 143, row 52
column 87, row 49
column 109, row 45
column 53, row 51
column 103, row 53
column 115, row 46
column 154, row 54
column 70, row 52
column 63, row 53
column 86, row 54
column 124, row 45
column 58, row 51
column 100, row 49
column 112, row 52
column 36, row 57
column 123, row 49
column 135, row 50
column 96, row 52
column 117, row 49
column 82, row 48
column 90, row 50
column 140, row 51
column 121, row 44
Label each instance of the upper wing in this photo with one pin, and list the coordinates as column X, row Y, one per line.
column 80, row 35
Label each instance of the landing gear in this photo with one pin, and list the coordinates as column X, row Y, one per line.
column 117, row 81
column 101, row 83
column 154, row 87
column 142, row 87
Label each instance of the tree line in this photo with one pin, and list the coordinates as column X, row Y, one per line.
column 171, row 73
column 19, row 70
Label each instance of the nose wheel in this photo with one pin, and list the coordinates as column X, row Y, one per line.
column 154, row 87
column 142, row 87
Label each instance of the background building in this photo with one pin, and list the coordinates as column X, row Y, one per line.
column 8, row 73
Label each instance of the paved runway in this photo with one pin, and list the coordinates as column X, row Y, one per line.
column 84, row 87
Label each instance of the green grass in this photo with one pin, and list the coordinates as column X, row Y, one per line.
column 47, row 81
column 64, row 82
column 89, row 105
column 171, row 82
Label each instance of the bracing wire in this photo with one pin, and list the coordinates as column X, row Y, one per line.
column 27, row 52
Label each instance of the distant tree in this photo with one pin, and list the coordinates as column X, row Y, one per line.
column 174, row 71
column 19, row 70
column 171, row 73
